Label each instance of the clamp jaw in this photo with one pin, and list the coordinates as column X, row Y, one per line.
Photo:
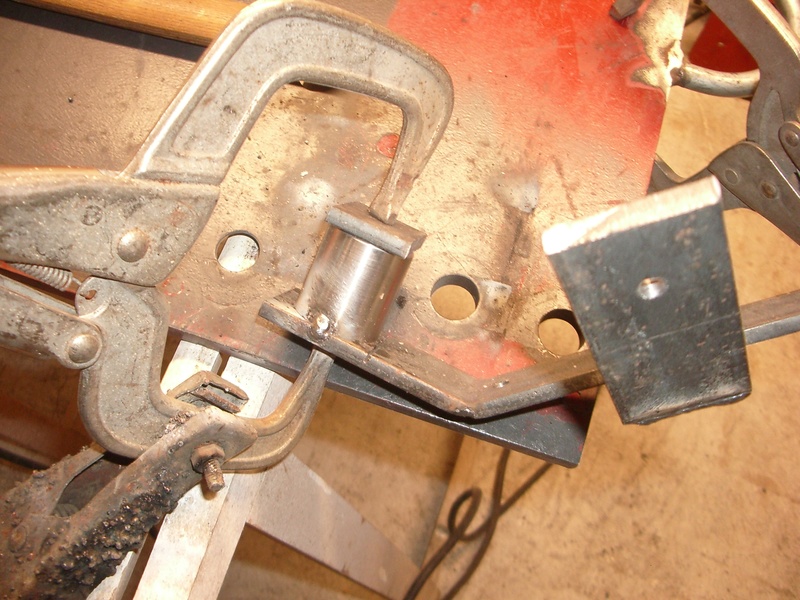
column 760, row 172
column 127, row 231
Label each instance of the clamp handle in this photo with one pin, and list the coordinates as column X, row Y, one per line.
column 270, row 44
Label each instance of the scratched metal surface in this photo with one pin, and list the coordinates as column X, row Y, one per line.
column 557, row 114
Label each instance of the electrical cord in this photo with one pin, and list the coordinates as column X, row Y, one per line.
column 457, row 530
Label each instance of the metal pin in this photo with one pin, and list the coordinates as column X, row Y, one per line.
column 212, row 473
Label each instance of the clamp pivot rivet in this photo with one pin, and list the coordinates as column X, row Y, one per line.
column 83, row 348
column 133, row 245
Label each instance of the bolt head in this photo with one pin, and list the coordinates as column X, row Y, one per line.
column 133, row 245
column 83, row 348
column 791, row 138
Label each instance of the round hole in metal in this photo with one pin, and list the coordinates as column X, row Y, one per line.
column 559, row 332
column 455, row 297
column 651, row 288
column 237, row 252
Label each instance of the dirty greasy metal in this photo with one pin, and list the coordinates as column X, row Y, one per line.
column 198, row 137
column 78, row 219
column 357, row 170
column 35, row 323
column 146, row 436
column 43, row 555
column 526, row 130
column 758, row 183
column 59, row 279
column 514, row 161
column 507, row 167
column 132, row 217
column 732, row 85
column 651, row 284
column 529, row 145
column 209, row 388
column 120, row 399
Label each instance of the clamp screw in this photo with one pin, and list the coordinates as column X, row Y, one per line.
column 212, row 473
column 207, row 459
column 791, row 138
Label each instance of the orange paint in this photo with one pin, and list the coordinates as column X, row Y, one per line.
column 481, row 357
column 557, row 77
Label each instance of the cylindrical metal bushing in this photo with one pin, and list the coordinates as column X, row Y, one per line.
column 350, row 287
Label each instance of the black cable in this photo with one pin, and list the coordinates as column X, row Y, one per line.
column 457, row 530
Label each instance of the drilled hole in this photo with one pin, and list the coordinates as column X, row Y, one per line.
column 559, row 332
column 237, row 252
column 651, row 288
column 455, row 297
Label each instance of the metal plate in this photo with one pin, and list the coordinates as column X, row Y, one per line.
column 652, row 286
column 542, row 131
column 555, row 119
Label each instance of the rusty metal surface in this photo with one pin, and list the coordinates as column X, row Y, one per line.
column 51, row 552
column 529, row 144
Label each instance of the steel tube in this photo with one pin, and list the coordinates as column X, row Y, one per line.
column 350, row 288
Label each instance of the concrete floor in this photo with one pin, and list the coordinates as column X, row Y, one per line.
column 706, row 505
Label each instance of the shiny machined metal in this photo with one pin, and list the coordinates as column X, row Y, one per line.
column 350, row 288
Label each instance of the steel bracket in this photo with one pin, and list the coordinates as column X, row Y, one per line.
column 652, row 287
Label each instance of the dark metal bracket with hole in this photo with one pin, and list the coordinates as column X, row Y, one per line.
column 652, row 286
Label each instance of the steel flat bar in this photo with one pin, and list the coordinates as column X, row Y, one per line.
column 652, row 287
column 771, row 318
